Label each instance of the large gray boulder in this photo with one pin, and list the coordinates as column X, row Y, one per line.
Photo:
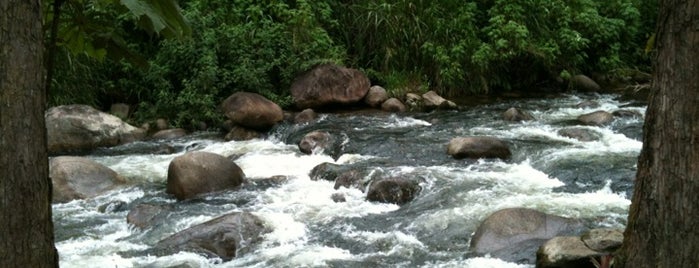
column 252, row 110
column 329, row 84
column 75, row 128
column 514, row 234
column 597, row 118
column 224, row 237
column 80, row 178
column 196, row 173
column 478, row 147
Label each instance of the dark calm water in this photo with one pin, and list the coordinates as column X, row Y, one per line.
column 548, row 172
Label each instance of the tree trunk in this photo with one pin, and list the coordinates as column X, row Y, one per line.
column 662, row 229
column 26, row 228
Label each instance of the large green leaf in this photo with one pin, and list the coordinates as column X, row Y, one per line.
column 160, row 16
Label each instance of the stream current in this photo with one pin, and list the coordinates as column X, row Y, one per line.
column 590, row 180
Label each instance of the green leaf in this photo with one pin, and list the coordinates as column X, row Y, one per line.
column 162, row 17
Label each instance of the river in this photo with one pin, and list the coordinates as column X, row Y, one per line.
column 590, row 180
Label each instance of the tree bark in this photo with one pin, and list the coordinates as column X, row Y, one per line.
column 26, row 227
column 662, row 230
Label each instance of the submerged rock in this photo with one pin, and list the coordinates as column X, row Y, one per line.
column 199, row 172
column 316, row 142
column 514, row 234
column 581, row 134
column 597, row 118
column 167, row 134
column 393, row 190
column 224, row 237
column 146, row 215
column 80, row 178
column 515, row 115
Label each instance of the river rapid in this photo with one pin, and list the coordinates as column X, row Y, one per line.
column 548, row 172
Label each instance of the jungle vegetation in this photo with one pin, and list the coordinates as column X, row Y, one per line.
column 104, row 54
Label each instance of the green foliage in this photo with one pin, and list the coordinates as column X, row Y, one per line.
column 253, row 46
column 453, row 47
column 474, row 46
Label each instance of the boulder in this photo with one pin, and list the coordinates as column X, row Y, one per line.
column 393, row 190
column 316, row 142
column 597, row 118
column 167, row 134
column 565, row 252
column 146, row 215
column 393, row 105
column 252, row 110
column 238, row 133
column 431, row 100
column 514, row 234
column 376, row 96
column 605, row 240
column 80, row 178
column 224, row 237
column 414, row 101
column 305, row 116
column 329, row 84
column 581, row 134
column 478, row 147
column 515, row 115
column 327, row 171
column 75, row 128
column 199, row 172
column 350, row 179
column 583, row 83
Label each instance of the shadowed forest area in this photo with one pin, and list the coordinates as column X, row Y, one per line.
column 456, row 48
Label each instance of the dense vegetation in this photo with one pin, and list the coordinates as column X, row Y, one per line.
column 453, row 47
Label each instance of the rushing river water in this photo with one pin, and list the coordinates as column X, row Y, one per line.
column 558, row 175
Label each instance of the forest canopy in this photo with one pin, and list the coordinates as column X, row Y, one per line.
column 453, row 47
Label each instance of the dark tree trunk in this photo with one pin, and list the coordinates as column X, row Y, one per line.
column 662, row 230
column 26, row 228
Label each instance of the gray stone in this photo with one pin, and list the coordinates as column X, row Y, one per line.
column 72, row 128
column 478, row 147
column 252, row 110
column 80, row 178
column 197, row 172
column 329, row 84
